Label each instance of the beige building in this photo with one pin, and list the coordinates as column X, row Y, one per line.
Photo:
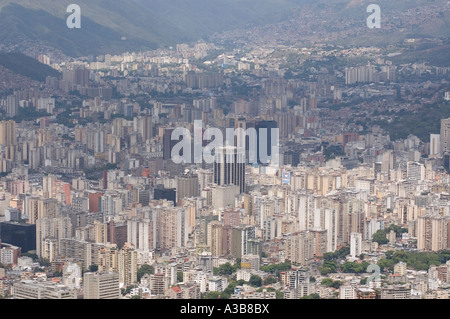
column 300, row 248
column 101, row 285
column 432, row 233
column 30, row 289
column 127, row 265
column 100, row 232
column 400, row 269
column 214, row 237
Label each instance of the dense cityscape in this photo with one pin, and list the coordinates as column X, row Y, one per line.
column 353, row 202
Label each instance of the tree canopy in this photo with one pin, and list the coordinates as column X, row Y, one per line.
column 144, row 269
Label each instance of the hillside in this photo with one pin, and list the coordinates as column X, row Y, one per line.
column 150, row 24
column 203, row 17
column 104, row 23
column 26, row 66
column 146, row 24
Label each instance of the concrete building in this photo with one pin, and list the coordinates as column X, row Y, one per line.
column 30, row 289
column 101, row 285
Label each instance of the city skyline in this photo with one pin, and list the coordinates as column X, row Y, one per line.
column 297, row 156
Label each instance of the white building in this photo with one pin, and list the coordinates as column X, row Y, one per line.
column 435, row 144
column 72, row 276
column 355, row 245
column 217, row 284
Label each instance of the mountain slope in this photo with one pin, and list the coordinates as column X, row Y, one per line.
column 146, row 24
column 203, row 17
column 26, row 66
column 103, row 24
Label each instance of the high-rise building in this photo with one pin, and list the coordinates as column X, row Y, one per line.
column 101, row 285
column 48, row 233
column 20, row 235
column 433, row 233
column 242, row 238
column 355, row 245
column 82, row 77
column 12, row 105
column 187, row 187
column 117, row 233
column 229, row 167
column 142, row 233
column 172, row 229
column 415, row 171
column 299, row 248
column 435, row 144
column 168, row 144
column 127, row 265
column 100, row 232
column 8, row 133
column 265, row 140
column 445, row 136
column 214, row 237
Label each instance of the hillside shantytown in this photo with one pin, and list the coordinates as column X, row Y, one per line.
column 93, row 204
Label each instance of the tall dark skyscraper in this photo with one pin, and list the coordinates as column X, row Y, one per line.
column 168, row 144
column 82, row 77
column 264, row 139
column 20, row 235
column 229, row 167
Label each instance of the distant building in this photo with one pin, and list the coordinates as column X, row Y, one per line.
column 435, row 144
column 30, row 289
column 355, row 245
column 20, row 235
column 445, row 135
column 396, row 292
column 101, row 285
column 400, row 269
column 447, row 96
column 187, row 187
column 229, row 167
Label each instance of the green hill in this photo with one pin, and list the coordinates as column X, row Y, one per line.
column 26, row 66
column 146, row 24
column 149, row 24
column 203, row 17
column 103, row 24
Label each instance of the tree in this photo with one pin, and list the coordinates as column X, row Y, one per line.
column 311, row 296
column 336, row 284
column 180, row 276
column 226, row 269
column 353, row 267
column 279, row 294
column 328, row 267
column 270, row 280
column 327, row 282
column 212, row 295
column 380, row 237
column 276, row 268
column 143, row 270
column 389, row 254
column 255, row 281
